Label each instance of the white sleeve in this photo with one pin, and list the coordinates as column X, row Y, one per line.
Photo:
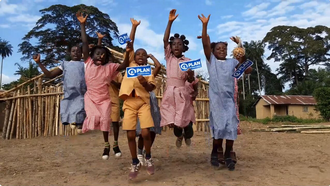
column 211, row 58
column 60, row 67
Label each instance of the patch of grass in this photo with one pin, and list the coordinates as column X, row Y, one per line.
column 282, row 119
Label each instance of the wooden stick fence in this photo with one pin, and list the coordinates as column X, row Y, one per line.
column 32, row 108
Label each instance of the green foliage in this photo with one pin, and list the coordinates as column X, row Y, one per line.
column 297, row 49
column 58, row 30
column 282, row 119
column 6, row 49
column 322, row 97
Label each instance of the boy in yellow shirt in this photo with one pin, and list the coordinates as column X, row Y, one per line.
column 135, row 93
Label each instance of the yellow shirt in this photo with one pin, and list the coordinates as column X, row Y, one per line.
column 113, row 90
column 130, row 84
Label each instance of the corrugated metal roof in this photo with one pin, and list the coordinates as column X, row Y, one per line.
column 289, row 100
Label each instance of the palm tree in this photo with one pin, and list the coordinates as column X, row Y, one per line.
column 6, row 50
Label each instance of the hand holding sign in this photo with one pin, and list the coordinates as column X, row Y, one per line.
column 241, row 69
column 129, row 46
column 194, row 64
column 122, row 39
column 142, row 80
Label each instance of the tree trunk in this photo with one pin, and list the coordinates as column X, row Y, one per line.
column 1, row 74
column 243, row 78
column 258, row 78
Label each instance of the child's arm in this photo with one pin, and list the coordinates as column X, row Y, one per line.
column 135, row 24
column 172, row 17
column 119, row 79
column 242, row 59
column 191, row 76
column 195, row 93
column 129, row 48
column 205, row 40
column 157, row 65
column 51, row 74
column 82, row 21
column 99, row 40
column 148, row 86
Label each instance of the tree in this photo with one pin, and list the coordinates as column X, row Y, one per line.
column 6, row 50
column 58, row 30
column 298, row 49
column 322, row 97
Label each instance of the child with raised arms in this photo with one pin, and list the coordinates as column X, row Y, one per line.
column 223, row 113
column 74, row 87
column 176, row 107
column 99, row 73
column 136, row 95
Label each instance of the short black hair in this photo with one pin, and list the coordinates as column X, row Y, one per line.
column 213, row 44
column 183, row 39
column 108, row 54
column 138, row 50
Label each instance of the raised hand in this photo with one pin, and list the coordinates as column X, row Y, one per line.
column 36, row 58
column 235, row 39
column 150, row 55
column 99, row 35
column 204, row 19
column 81, row 18
column 142, row 80
column 172, row 16
column 135, row 22
column 191, row 75
column 129, row 46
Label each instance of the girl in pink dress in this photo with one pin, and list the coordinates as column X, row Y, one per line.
column 176, row 108
column 98, row 75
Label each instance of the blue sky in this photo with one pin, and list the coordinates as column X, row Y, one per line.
column 249, row 19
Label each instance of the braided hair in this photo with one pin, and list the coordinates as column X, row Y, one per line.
column 183, row 39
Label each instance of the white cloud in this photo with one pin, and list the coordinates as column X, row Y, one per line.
column 208, row 2
column 256, row 11
column 226, row 17
column 282, row 8
column 26, row 18
column 4, row 26
column 7, row 79
column 8, row 8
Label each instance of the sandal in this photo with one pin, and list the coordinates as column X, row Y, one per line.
column 230, row 164
column 233, row 156
column 214, row 160
column 221, row 157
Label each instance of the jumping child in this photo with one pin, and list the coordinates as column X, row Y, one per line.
column 223, row 118
column 74, row 87
column 98, row 74
column 115, row 108
column 176, row 108
column 135, row 93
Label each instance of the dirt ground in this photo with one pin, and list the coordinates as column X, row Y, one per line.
column 263, row 159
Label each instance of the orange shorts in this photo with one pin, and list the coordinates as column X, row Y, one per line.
column 135, row 107
column 115, row 112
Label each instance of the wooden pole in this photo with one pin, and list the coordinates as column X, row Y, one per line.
column 5, row 123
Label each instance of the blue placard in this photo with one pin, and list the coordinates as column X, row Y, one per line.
column 194, row 64
column 133, row 72
column 122, row 39
column 241, row 69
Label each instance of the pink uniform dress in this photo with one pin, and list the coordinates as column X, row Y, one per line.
column 97, row 98
column 176, row 104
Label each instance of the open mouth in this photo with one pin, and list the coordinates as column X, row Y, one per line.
column 98, row 62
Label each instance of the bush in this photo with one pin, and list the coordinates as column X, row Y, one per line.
column 282, row 119
column 322, row 97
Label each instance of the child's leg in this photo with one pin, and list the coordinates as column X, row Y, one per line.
column 178, row 133
column 229, row 162
column 140, row 154
column 116, row 149
column 147, row 144
column 153, row 136
column 106, row 150
column 217, row 153
column 188, row 133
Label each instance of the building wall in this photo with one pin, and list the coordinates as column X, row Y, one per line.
column 262, row 109
column 304, row 112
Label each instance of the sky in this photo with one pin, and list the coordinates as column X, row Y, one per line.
column 248, row 19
